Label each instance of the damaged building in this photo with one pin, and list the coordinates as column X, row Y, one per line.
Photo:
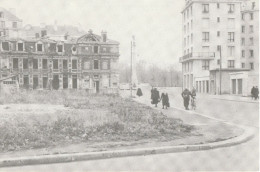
column 89, row 62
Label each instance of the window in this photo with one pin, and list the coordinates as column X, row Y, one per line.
column 184, row 16
column 184, row 29
column 218, row 5
column 231, row 51
column 218, row 33
column 251, row 28
column 5, row 46
column 242, row 41
column 231, row 23
column 14, row 24
column 1, row 15
column 187, row 13
column 44, row 64
column 15, row 63
column 231, row 36
column 251, row 16
column 191, row 39
column 191, row 10
column 243, row 53
column 105, row 65
column 218, row 61
column 188, row 27
column 74, row 64
column 96, row 64
column 251, row 53
column 205, row 65
column 231, row 8
column 39, row 47
column 218, row 19
column 205, row 36
column 205, row 8
column 35, row 63
column 95, row 49
column 243, row 65
column 60, row 48
column 191, row 25
column 231, row 63
column 251, row 41
column 25, row 63
column 205, row 23
column 87, row 65
column 252, row 66
column 243, row 29
column 55, row 64
column 65, row 64
column 20, row 46
column 243, row 16
column 253, row 5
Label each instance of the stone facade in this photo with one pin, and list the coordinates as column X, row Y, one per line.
column 89, row 62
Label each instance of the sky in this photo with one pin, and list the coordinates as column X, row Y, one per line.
column 156, row 24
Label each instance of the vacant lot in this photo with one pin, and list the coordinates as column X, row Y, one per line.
column 42, row 119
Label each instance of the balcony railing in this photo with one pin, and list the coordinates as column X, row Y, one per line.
column 198, row 56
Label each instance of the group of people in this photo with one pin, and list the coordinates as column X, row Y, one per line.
column 255, row 93
column 186, row 95
column 155, row 96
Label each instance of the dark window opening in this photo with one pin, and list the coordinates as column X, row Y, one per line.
column 74, row 82
column 231, row 63
column 5, row 46
column 252, row 66
column 25, row 63
column 96, row 64
column 35, row 63
column 205, row 8
column 65, row 82
column 74, row 49
column 26, row 81
column 44, row 64
column 55, row 64
column 39, row 47
column 65, row 64
column 74, row 64
column 60, row 48
column 95, row 49
column 55, row 82
column 15, row 63
column 20, row 46
column 205, row 65
column 35, row 82
column 231, row 36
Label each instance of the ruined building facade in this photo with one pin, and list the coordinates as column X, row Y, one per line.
column 89, row 62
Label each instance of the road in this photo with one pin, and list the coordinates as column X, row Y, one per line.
column 243, row 157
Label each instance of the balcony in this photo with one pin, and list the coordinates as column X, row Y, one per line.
column 198, row 56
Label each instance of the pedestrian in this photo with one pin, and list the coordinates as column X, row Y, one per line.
column 253, row 92
column 186, row 98
column 139, row 92
column 167, row 100
column 256, row 93
column 155, row 97
column 193, row 92
column 164, row 100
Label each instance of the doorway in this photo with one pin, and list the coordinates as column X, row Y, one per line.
column 55, row 82
column 234, row 86
column 240, row 86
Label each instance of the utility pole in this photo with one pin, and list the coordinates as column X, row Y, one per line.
column 220, row 68
column 131, row 69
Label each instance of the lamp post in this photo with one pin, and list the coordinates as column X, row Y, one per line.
column 220, row 68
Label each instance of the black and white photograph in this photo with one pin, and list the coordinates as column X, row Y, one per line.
column 129, row 85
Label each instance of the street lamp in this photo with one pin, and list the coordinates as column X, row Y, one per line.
column 220, row 68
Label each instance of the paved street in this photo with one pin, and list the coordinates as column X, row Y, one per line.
column 243, row 157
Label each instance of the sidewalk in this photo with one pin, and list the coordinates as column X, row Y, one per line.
column 234, row 98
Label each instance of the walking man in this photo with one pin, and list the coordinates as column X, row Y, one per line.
column 155, row 96
column 253, row 93
column 186, row 98
column 256, row 93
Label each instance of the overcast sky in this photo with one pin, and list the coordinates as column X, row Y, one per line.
column 156, row 24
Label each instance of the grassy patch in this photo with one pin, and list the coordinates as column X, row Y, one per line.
column 86, row 118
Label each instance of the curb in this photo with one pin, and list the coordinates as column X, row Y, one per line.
column 49, row 159
column 235, row 100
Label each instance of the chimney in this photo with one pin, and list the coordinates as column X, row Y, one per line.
column 37, row 35
column 90, row 31
column 104, row 36
column 43, row 33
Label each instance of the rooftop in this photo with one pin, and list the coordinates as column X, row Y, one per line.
column 8, row 15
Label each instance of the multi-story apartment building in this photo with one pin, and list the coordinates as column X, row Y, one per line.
column 89, row 62
column 212, row 46
column 10, row 25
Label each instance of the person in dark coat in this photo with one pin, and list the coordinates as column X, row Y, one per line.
column 256, row 93
column 253, row 92
column 139, row 92
column 186, row 98
column 155, row 97
column 165, row 100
